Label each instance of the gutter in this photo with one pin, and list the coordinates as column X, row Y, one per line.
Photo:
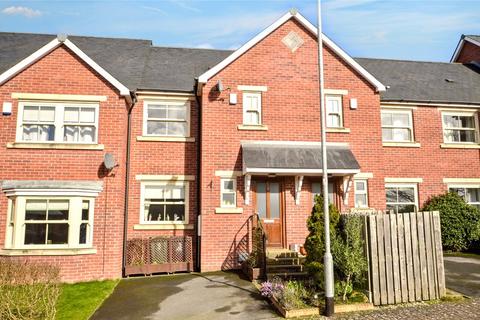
column 132, row 99
column 199, row 172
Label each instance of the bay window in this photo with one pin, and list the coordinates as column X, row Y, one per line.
column 43, row 122
column 37, row 222
column 460, row 127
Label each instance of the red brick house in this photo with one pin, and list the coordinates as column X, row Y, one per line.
column 204, row 139
column 468, row 49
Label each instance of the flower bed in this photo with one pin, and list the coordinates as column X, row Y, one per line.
column 298, row 299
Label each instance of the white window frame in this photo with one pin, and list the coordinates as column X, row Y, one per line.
column 361, row 192
column 15, row 235
column 403, row 185
column 59, row 122
column 409, row 112
column 259, row 110
column 464, row 186
column 332, row 193
column 173, row 102
column 338, row 98
column 473, row 114
column 223, row 191
column 164, row 183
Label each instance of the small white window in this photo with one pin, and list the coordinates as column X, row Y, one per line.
column 228, row 191
column 460, row 127
column 317, row 191
column 167, row 118
column 361, row 194
column 471, row 194
column 397, row 126
column 164, row 202
column 334, row 111
column 53, row 222
column 252, row 108
column 401, row 198
column 57, row 122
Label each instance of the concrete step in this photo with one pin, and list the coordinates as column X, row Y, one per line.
column 287, row 275
column 285, row 268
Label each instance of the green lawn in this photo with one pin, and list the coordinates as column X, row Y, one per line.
column 80, row 300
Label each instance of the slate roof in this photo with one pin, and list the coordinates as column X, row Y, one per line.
column 473, row 37
column 419, row 81
column 135, row 63
column 296, row 156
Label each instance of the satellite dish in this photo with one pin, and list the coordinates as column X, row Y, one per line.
column 109, row 161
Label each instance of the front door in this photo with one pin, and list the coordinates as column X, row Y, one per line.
column 269, row 205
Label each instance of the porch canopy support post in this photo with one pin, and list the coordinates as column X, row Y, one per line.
column 248, row 180
column 298, row 188
column 347, row 184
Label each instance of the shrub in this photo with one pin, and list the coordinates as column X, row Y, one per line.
column 315, row 242
column 460, row 222
column 294, row 295
column 28, row 291
column 350, row 263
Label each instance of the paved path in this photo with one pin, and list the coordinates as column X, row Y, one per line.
column 469, row 309
column 189, row 296
column 462, row 274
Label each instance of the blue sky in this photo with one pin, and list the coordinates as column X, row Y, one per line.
column 400, row 29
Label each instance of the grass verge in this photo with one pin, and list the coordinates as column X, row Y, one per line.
column 79, row 301
column 462, row 254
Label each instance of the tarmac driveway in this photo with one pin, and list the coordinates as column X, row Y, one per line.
column 219, row 295
column 462, row 274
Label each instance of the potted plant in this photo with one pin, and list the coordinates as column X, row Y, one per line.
column 251, row 268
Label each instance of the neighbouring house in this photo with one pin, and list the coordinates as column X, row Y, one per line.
column 468, row 49
column 203, row 139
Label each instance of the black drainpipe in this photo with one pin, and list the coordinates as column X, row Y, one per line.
column 127, row 181
column 199, row 173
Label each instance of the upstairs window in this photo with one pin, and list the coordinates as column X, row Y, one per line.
column 57, row 122
column 334, row 111
column 397, row 126
column 460, row 127
column 252, row 108
column 167, row 119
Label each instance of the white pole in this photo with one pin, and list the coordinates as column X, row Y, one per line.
column 327, row 259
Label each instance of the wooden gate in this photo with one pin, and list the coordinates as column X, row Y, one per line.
column 406, row 259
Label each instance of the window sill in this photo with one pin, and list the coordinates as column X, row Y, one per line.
column 62, row 146
column 165, row 139
column 228, row 210
column 47, row 252
column 338, row 130
column 252, row 127
column 401, row 144
column 163, row 227
column 459, row 146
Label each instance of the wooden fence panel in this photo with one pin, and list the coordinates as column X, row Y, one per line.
column 406, row 258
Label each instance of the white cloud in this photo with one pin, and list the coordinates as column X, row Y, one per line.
column 184, row 5
column 23, row 11
column 204, row 46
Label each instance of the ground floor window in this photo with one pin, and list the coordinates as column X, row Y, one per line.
column 317, row 191
column 470, row 194
column 361, row 194
column 228, row 190
column 164, row 202
column 401, row 198
column 50, row 222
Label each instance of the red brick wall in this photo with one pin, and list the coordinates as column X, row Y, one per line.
column 61, row 72
column 469, row 52
column 161, row 158
column 291, row 111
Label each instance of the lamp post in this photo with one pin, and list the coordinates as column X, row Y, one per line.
column 327, row 259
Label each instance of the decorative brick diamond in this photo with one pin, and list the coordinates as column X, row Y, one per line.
column 293, row 41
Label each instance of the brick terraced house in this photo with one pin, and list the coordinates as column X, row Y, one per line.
column 109, row 140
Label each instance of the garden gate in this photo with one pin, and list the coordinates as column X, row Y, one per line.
column 405, row 256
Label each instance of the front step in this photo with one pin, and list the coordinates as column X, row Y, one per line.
column 285, row 264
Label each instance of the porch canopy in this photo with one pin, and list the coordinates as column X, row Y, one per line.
column 296, row 158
